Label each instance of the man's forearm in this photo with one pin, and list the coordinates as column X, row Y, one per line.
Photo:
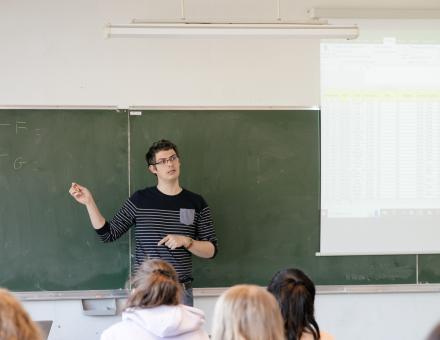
column 203, row 249
column 96, row 218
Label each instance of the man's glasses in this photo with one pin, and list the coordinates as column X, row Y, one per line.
column 164, row 161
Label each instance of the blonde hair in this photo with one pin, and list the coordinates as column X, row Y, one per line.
column 15, row 322
column 156, row 283
column 247, row 312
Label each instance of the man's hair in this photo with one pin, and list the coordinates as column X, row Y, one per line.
column 15, row 322
column 247, row 312
column 154, row 284
column 295, row 293
column 161, row 145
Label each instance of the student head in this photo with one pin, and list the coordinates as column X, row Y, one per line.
column 163, row 160
column 154, row 284
column 247, row 312
column 295, row 293
column 435, row 334
column 15, row 322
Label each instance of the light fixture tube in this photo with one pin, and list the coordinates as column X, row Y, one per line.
column 323, row 31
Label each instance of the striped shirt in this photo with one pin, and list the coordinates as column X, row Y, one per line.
column 156, row 215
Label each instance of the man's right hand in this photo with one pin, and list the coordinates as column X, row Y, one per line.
column 80, row 193
column 84, row 196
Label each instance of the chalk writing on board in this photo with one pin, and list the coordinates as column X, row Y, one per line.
column 19, row 163
column 21, row 127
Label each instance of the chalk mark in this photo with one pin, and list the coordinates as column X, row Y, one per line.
column 17, row 127
column 19, row 163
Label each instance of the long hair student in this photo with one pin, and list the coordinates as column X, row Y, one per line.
column 154, row 309
column 247, row 312
column 295, row 293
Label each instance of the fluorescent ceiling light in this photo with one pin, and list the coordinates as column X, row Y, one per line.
column 287, row 30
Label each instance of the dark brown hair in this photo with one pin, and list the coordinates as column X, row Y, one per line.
column 154, row 284
column 295, row 293
column 161, row 145
column 435, row 334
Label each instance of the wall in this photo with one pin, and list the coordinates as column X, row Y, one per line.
column 399, row 316
column 55, row 53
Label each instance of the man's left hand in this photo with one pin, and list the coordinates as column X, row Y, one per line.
column 175, row 241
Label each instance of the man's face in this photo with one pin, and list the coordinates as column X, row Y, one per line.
column 167, row 167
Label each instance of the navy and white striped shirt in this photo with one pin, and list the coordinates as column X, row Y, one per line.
column 156, row 215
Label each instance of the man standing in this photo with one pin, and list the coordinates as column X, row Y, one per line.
column 172, row 223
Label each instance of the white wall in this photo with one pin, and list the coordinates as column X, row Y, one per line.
column 379, row 316
column 53, row 52
column 56, row 53
column 391, row 316
column 242, row 9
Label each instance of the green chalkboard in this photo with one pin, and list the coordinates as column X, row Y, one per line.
column 429, row 268
column 260, row 173
column 46, row 240
column 259, row 170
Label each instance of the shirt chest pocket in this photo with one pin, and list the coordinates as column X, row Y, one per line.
column 187, row 216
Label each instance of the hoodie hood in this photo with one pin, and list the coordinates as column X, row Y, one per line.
column 166, row 321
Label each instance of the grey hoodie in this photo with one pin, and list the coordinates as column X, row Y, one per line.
column 164, row 322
